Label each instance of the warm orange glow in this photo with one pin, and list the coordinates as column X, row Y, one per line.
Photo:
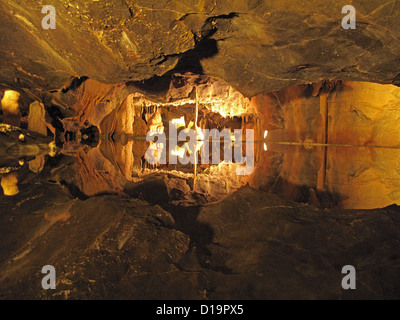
column 61, row 217
column 179, row 151
column 36, row 165
column 9, row 100
column 10, row 107
column 179, row 122
column 37, row 118
column 200, row 135
column 9, row 183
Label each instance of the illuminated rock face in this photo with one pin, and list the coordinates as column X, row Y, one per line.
column 334, row 112
column 343, row 113
column 36, row 165
column 9, row 183
column 341, row 177
column 364, row 114
column 363, row 177
column 36, row 118
column 10, row 107
column 123, row 107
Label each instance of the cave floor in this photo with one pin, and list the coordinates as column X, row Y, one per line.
column 249, row 245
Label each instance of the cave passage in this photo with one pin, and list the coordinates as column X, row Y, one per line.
column 324, row 144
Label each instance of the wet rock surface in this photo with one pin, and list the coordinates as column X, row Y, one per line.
column 251, row 245
column 114, row 41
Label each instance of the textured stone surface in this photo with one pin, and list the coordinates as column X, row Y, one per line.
column 296, row 251
column 249, row 246
column 334, row 112
column 352, row 114
column 255, row 46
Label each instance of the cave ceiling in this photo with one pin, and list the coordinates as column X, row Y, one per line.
column 255, row 46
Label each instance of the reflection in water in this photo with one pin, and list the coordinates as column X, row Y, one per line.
column 114, row 165
column 332, row 153
column 331, row 176
column 365, row 177
column 17, row 147
column 326, row 176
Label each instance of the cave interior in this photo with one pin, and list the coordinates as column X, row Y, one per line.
column 127, row 163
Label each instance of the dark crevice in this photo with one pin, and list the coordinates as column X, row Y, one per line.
column 201, row 235
column 189, row 61
column 230, row 15
column 74, row 190
column 164, row 57
column 396, row 80
column 75, row 83
column 56, row 116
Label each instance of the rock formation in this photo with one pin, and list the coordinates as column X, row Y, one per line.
column 80, row 193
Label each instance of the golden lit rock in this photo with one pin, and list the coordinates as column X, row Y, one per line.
column 10, row 107
column 9, row 183
column 36, row 165
column 36, row 118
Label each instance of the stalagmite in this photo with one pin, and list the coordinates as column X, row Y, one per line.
column 37, row 123
column 200, row 135
column 36, row 165
column 36, row 118
column 9, row 183
column 10, row 106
